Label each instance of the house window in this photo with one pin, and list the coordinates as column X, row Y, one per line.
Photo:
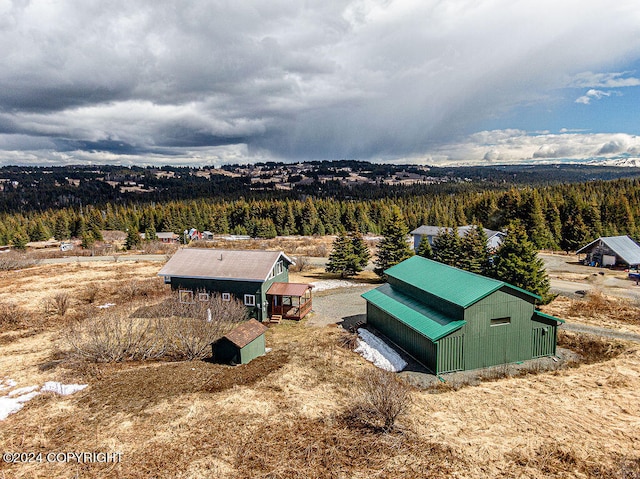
column 186, row 296
column 279, row 267
column 167, row 280
column 249, row 300
column 500, row 321
column 226, row 296
column 203, row 297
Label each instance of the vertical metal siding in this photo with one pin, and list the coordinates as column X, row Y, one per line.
column 414, row 343
column 543, row 341
column 451, row 354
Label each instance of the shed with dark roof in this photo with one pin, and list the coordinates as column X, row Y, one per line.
column 452, row 320
column 242, row 344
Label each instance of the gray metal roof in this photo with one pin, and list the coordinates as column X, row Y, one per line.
column 462, row 230
column 209, row 263
column 622, row 246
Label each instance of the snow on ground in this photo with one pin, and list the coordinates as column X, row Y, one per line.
column 62, row 389
column 15, row 400
column 106, row 305
column 325, row 284
column 374, row 349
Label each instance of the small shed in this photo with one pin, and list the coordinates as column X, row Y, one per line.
column 611, row 251
column 242, row 344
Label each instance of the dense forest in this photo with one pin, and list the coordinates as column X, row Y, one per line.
column 556, row 216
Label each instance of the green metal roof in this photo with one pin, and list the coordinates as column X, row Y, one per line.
column 548, row 316
column 451, row 284
column 426, row 321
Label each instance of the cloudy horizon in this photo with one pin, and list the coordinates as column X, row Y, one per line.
column 210, row 83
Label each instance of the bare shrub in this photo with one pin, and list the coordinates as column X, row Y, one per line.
column 592, row 349
column 57, row 304
column 348, row 340
column 171, row 330
column 142, row 289
column 12, row 261
column 302, row 264
column 380, row 398
column 89, row 294
column 596, row 305
column 12, row 316
column 112, row 337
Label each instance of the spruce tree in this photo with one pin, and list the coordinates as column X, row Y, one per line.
column 516, row 262
column 474, row 254
column 424, row 249
column 393, row 247
column 360, row 250
column 341, row 258
column 446, row 246
column 133, row 238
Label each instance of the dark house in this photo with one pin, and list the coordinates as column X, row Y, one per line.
column 242, row 344
column 453, row 320
column 611, row 251
column 244, row 274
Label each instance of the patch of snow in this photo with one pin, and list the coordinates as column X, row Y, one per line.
column 62, row 389
column 375, row 350
column 15, row 400
column 106, row 305
column 10, row 405
column 326, row 284
column 7, row 383
column 24, row 390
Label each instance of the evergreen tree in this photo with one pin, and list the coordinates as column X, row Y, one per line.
column 150, row 234
column 20, row 240
column 88, row 240
column 393, row 247
column 61, row 228
column 474, row 253
column 133, row 238
column 424, row 249
column 360, row 250
column 446, row 246
column 341, row 258
column 517, row 263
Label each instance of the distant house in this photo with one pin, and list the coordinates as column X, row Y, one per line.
column 452, row 320
column 494, row 238
column 611, row 251
column 164, row 237
column 242, row 344
column 244, row 274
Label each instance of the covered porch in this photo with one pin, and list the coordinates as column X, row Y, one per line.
column 289, row 300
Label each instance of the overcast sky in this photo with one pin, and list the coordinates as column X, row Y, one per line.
column 211, row 82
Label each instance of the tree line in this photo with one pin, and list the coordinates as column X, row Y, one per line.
column 562, row 216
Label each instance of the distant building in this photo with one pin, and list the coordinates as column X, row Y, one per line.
column 164, row 237
column 611, row 251
column 452, row 320
column 244, row 274
column 494, row 238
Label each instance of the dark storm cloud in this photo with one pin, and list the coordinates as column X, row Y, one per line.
column 327, row 79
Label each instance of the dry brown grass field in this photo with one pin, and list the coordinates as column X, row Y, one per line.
column 286, row 415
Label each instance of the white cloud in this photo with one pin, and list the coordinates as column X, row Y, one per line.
column 595, row 94
column 604, row 80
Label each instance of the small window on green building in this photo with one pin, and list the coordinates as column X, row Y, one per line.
column 500, row 321
column 226, row 296
column 249, row 300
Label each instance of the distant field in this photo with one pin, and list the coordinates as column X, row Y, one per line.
column 286, row 414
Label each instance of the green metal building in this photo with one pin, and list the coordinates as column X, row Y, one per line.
column 244, row 343
column 243, row 274
column 453, row 320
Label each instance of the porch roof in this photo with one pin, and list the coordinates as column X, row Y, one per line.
column 288, row 289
